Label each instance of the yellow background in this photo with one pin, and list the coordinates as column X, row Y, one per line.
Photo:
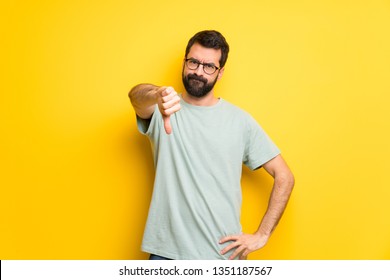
column 76, row 176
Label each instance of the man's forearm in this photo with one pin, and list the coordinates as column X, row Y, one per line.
column 280, row 195
column 244, row 244
column 143, row 98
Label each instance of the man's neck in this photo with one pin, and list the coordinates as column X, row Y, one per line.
column 207, row 100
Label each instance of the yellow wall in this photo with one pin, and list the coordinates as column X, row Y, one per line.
column 76, row 176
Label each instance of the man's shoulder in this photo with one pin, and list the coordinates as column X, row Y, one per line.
column 235, row 109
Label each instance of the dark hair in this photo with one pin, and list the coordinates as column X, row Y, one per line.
column 210, row 39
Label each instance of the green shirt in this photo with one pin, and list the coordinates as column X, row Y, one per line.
column 197, row 193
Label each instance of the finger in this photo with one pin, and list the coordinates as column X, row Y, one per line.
column 167, row 124
column 160, row 91
column 228, row 238
column 244, row 256
column 236, row 252
column 166, row 91
column 230, row 247
column 170, row 111
column 170, row 101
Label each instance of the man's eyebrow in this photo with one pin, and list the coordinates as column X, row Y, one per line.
column 197, row 60
column 194, row 59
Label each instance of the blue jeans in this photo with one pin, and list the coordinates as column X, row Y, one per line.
column 157, row 258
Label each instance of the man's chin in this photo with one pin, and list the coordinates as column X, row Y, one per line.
column 196, row 94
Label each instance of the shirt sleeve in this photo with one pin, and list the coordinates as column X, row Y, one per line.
column 259, row 148
column 148, row 126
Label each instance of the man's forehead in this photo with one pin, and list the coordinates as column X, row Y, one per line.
column 203, row 54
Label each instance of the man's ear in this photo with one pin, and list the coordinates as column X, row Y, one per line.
column 220, row 74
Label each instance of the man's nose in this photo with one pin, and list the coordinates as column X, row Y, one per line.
column 199, row 70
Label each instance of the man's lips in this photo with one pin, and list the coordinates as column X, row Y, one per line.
column 195, row 81
column 198, row 79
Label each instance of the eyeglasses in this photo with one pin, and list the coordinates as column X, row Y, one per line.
column 208, row 68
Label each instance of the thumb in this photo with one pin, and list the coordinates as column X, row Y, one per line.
column 167, row 124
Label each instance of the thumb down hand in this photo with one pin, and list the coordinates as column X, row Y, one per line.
column 168, row 103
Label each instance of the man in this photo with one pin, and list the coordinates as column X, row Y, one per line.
column 199, row 144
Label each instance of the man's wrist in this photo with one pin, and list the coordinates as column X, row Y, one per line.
column 263, row 234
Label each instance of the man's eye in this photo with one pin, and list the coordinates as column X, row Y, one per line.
column 209, row 66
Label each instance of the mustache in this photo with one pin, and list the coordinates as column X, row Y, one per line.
column 196, row 77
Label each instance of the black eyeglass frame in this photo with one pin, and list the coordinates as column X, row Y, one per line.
column 203, row 64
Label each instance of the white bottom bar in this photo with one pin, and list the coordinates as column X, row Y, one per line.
column 262, row 269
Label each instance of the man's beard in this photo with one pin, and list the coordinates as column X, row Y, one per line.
column 197, row 86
